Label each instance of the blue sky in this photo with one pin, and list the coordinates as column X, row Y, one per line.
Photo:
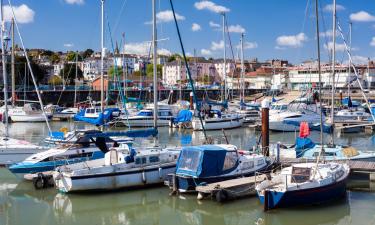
column 273, row 28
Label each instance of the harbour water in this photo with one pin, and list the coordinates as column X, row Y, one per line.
column 21, row 204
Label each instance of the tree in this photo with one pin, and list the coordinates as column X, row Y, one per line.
column 54, row 58
column 55, row 80
column 115, row 71
column 150, row 70
column 174, row 57
column 71, row 57
column 87, row 53
column 68, row 73
column 20, row 66
column 207, row 79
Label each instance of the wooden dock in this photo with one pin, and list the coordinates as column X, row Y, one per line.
column 230, row 189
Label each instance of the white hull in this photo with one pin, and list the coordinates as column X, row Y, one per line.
column 116, row 179
column 28, row 118
column 217, row 124
column 144, row 122
column 12, row 155
column 281, row 126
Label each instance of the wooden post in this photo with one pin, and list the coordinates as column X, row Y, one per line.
column 265, row 127
column 340, row 97
column 191, row 101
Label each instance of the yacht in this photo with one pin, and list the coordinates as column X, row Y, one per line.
column 145, row 118
column 122, row 167
column 216, row 120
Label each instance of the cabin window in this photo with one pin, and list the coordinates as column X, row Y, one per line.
column 230, row 160
column 300, row 175
column 248, row 165
column 339, row 174
column 154, row 159
column 141, row 160
column 260, row 162
column 189, row 160
column 316, row 154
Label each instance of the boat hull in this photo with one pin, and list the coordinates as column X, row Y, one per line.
column 28, row 118
column 309, row 196
column 112, row 180
column 217, row 124
column 11, row 155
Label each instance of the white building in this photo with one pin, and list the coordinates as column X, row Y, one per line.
column 219, row 66
column 92, row 66
column 125, row 61
column 176, row 71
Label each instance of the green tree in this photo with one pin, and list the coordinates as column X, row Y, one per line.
column 115, row 71
column 150, row 70
column 137, row 73
column 54, row 58
column 55, row 80
column 87, row 53
column 68, row 73
column 174, row 57
column 71, row 57
column 20, row 67
column 207, row 79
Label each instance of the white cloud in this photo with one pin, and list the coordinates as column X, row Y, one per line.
column 196, row 27
column 338, row 47
column 329, row 8
column 206, row 52
column 217, row 46
column 23, row 13
column 68, row 45
column 78, row 2
column 211, row 7
column 294, row 41
column 142, row 48
column 357, row 59
column 214, row 25
column 328, row 33
column 165, row 17
column 372, row 43
column 362, row 16
column 236, row 29
column 248, row 45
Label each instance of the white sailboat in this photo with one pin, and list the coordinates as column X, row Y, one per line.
column 11, row 150
column 122, row 167
column 306, row 183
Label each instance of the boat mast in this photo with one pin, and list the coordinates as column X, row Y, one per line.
column 13, row 69
column 333, row 63
column 5, row 78
column 75, row 81
column 350, row 61
column 242, row 97
column 320, row 81
column 155, row 63
column 224, row 61
column 102, row 60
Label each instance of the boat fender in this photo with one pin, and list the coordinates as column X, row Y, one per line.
column 221, row 195
column 160, row 173
column 39, row 181
column 143, row 177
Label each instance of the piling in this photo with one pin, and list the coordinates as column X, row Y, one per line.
column 265, row 127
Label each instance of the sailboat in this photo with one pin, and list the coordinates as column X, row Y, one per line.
column 11, row 150
column 218, row 119
column 306, row 183
column 122, row 167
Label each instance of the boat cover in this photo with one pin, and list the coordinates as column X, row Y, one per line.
column 205, row 161
column 348, row 102
column 183, row 116
column 102, row 119
column 303, row 144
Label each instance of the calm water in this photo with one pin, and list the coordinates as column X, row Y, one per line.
column 21, row 204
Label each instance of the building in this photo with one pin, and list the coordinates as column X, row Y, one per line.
column 202, row 72
column 92, row 67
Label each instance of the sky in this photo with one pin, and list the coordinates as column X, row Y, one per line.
column 273, row 29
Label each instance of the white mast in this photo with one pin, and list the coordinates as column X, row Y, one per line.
column 75, row 81
column 13, row 69
column 242, row 98
column 154, row 38
column 3, row 60
column 333, row 61
column 224, row 60
column 350, row 51
column 102, row 60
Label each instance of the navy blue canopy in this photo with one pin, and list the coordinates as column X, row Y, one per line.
column 206, row 161
column 303, row 144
